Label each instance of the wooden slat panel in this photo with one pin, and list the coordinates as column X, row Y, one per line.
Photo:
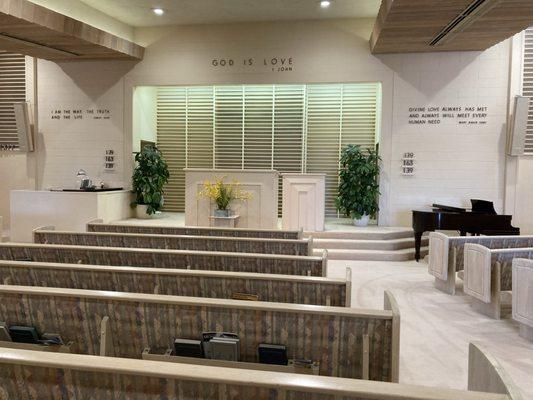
column 410, row 25
column 39, row 32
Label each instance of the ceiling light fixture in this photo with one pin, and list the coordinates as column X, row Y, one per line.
column 325, row 3
column 158, row 11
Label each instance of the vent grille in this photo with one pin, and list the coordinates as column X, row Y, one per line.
column 12, row 90
column 464, row 19
column 527, row 86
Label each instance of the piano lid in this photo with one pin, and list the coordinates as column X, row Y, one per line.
column 442, row 207
column 478, row 207
column 483, row 207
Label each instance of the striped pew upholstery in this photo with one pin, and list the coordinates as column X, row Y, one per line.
column 158, row 258
column 299, row 247
column 275, row 288
column 332, row 336
column 25, row 375
column 194, row 230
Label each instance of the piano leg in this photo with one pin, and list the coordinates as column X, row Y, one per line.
column 418, row 242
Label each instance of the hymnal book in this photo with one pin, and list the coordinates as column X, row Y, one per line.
column 207, row 337
column 272, row 354
column 24, row 334
column 188, row 348
column 225, row 349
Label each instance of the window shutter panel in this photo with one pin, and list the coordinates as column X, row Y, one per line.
column 12, row 90
column 324, row 117
column 289, row 128
column 229, row 120
column 171, row 138
column 527, row 86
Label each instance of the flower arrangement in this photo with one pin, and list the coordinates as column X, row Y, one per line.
column 223, row 193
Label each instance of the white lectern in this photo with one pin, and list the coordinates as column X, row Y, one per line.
column 304, row 197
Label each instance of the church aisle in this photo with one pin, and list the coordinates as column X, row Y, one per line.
column 436, row 328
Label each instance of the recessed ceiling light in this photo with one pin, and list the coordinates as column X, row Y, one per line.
column 158, row 11
column 325, row 3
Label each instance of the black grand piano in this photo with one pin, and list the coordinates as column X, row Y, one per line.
column 481, row 220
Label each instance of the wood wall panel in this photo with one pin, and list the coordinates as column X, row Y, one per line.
column 29, row 29
column 405, row 26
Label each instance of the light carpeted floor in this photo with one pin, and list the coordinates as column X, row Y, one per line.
column 435, row 327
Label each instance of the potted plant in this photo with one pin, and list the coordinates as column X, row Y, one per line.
column 149, row 177
column 359, row 184
column 223, row 194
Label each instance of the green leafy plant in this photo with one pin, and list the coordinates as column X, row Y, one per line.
column 149, row 177
column 359, row 182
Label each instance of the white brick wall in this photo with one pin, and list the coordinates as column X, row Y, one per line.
column 453, row 163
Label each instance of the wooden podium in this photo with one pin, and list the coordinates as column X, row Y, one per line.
column 261, row 212
column 304, row 202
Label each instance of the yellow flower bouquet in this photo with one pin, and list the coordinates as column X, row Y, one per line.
column 223, row 193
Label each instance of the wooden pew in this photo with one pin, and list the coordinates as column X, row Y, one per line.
column 158, row 258
column 488, row 277
column 523, row 296
column 98, row 226
column 180, row 282
column 446, row 254
column 297, row 247
column 78, row 377
column 346, row 342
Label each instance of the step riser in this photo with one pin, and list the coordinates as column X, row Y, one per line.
column 359, row 235
column 379, row 245
column 359, row 256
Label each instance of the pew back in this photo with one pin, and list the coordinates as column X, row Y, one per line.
column 78, row 377
column 158, row 258
column 523, row 296
column 298, row 247
column 274, row 288
column 332, row 336
column 95, row 226
column 446, row 254
column 484, row 267
column 485, row 374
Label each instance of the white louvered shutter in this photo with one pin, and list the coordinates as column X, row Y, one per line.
column 12, row 90
column 289, row 128
column 229, row 121
column 171, row 138
column 527, row 86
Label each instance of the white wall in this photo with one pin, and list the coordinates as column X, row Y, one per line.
column 144, row 116
column 453, row 163
column 66, row 145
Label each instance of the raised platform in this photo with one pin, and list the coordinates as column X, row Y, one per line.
column 342, row 239
column 371, row 243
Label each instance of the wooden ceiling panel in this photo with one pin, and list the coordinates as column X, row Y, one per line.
column 405, row 26
column 29, row 29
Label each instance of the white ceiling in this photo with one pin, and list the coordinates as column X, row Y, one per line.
column 138, row 13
